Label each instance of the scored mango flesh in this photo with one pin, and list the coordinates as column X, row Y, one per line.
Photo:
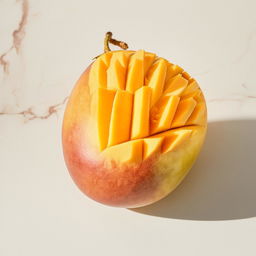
column 142, row 105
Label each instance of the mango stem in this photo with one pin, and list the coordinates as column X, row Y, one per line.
column 108, row 39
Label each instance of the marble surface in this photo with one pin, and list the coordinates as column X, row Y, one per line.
column 44, row 47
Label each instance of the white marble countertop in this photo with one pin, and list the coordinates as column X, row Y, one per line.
column 44, row 47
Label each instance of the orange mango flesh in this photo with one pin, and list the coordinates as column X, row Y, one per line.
column 135, row 75
column 98, row 75
column 186, row 75
column 191, row 88
column 140, row 95
column 183, row 113
column 156, row 79
column 116, row 73
column 174, row 139
column 135, row 151
column 151, row 147
column 128, row 152
column 197, row 117
column 163, row 113
column 176, row 85
column 148, row 61
column 104, row 110
column 172, row 71
column 121, row 116
column 141, row 108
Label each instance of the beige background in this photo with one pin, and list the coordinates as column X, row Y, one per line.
column 44, row 47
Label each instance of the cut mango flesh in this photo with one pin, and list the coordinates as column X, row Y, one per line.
column 152, row 146
column 135, row 76
column 142, row 149
column 174, row 139
column 98, row 76
column 172, row 70
column 140, row 121
column 148, row 61
column 116, row 73
column 156, row 80
column 139, row 102
column 196, row 95
column 121, row 116
column 199, row 97
column 186, row 75
column 183, row 113
column 128, row 152
column 192, row 87
column 105, row 100
column 163, row 113
column 176, row 85
column 197, row 117
column 105, row 58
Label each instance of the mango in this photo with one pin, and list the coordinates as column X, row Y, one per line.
column 133, row 127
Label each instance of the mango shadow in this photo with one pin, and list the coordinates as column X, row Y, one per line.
column 222, row 183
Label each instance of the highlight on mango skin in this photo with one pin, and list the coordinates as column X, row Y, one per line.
column 132, row 111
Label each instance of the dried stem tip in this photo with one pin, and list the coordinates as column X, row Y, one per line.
column 109, row 39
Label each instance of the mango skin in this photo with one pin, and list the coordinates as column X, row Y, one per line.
column 128, row 186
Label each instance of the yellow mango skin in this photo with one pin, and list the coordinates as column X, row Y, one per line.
column 140, row 179
column 173, row 166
